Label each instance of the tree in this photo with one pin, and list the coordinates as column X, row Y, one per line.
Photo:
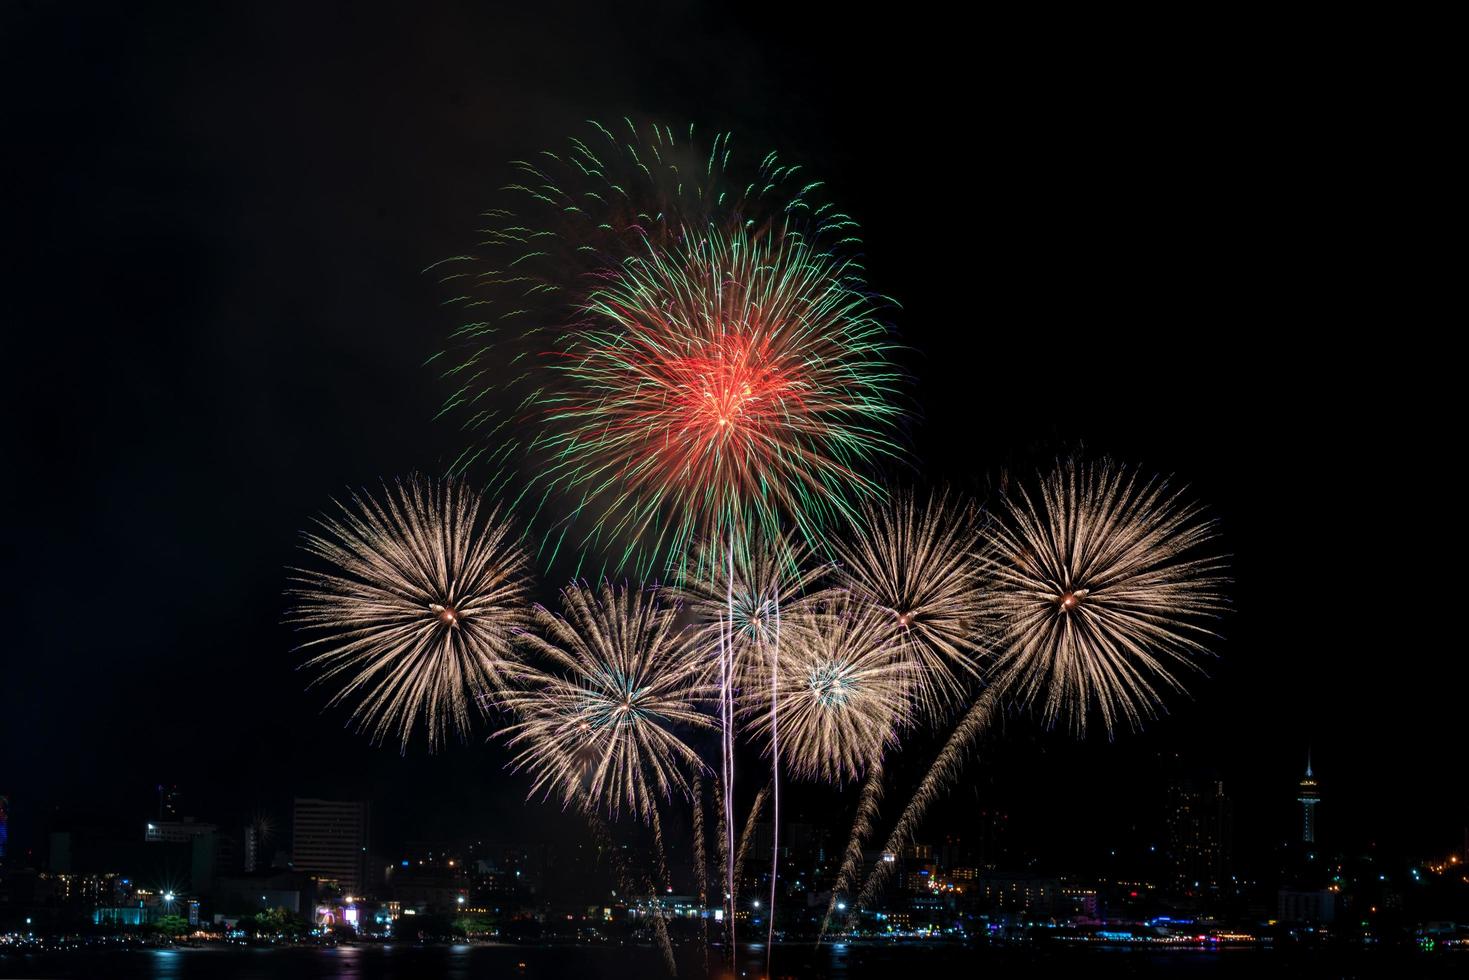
column 172, row 925
column 279, row 921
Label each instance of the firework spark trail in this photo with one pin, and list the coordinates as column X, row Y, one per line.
column 600, row 723
column 747, row 836
column 727, row 733
column 774, row 783
column 774, row 578
column 660, row 851
column 725, row 840
column 917, row 558
column 767, row 577
column 701, row 861
column 764, row 579
column 862, row 824
column 940, row 777
column 630, row 884
column 417, row 609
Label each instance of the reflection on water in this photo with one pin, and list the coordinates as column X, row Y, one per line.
column 619, row 962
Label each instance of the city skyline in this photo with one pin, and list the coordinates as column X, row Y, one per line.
column 1147, row 823
column 326, row 858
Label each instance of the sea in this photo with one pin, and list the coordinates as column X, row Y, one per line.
column 909, row 961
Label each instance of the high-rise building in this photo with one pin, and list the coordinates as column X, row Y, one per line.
column 4, row 826
column 259, row 832
column 1199, row 824
column 329, row 841
column 1308, row 794
column 991, row 836
column 251, row 846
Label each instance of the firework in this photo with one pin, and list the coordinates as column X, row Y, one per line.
column 415, row 608
column 568, row 217
column 1100, row 582
column 843, row 693
column 699, row 359
column 729, row 382
column 1103, row 587
column 917, row 560
column 601, row 724
column 773, row 582
column 690, row 350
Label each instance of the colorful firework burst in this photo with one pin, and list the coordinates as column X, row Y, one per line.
column 1104, row 584
column 601, row 725
column 918, row 560
column 844, row 693
column 570, row 217
column 732, row 382
column 416, row 608
column 691, row 350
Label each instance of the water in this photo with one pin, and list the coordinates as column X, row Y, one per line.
column 911, row 962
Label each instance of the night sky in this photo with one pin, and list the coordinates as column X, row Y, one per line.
column 1209, row 259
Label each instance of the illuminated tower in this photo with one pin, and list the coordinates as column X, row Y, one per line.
column 1308, row 794
column 4, row 826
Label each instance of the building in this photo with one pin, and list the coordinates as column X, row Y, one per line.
column 4, row 826
column 251, row 845
column 1031, row 895
column 329, row 842
column 1316, row 906
column 249, row 893
column 176, row 831
column 991, row 834
column 1079, row 901
column 1199, row 825
column 1308, row 794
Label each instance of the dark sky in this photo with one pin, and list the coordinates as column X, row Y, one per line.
column 1215, row 255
